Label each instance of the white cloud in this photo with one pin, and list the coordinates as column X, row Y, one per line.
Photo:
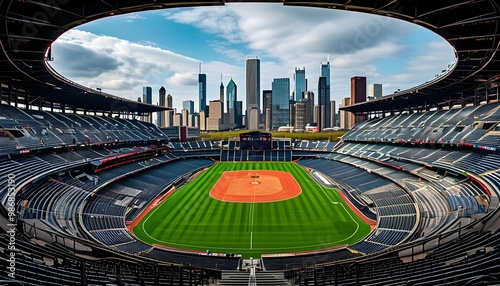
column 115, row 65
column 183, row 79
column 129, row 18
column 283, row 37
column 215, row 20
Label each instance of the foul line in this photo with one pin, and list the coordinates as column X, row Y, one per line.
column 337, row 203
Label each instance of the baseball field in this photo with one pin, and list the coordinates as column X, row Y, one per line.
column 252, row 208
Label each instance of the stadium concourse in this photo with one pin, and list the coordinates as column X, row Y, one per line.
column 74, row 168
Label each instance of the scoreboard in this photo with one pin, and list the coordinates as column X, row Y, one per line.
column 256, row 141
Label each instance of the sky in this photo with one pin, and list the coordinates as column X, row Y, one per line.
column 121, row 54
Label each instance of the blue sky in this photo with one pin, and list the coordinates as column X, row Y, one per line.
column 122, row 54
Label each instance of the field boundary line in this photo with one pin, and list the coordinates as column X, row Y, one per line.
column 345, row 209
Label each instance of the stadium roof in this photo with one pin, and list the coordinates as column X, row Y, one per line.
column 29, row 27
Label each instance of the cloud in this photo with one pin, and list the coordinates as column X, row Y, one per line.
column 227, row 50
column 283, row 37
column 286, row 31
column 215, row 20
column 77, row 58
column 129, row 18
column 114, row 64
column 182, row 79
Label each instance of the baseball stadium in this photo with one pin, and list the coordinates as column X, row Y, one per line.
column 408, row 196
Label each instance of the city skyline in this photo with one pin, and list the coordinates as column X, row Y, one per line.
column 122, row 54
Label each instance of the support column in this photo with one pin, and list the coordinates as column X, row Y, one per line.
column 497, row 90
column 27, row 99
column 16, row 99
column 9, row 90
column 487, row 93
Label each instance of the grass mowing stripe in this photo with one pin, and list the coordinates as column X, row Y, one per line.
column 193, row 220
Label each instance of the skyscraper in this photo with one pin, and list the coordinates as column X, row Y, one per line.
column 221, row 91
column 324, row 104
column 170, row 101
column 345, row 117
column 252, row 93
column 238, row 113
column 162, row 101
column 184, row 115
column 358, row 94
column 169, row 115
column 202, row 91
column 333, row 117
column 300, row 83
column 310, row 107
column 147, row 97
column 203, row 121
column 280, row 106
column 177, row 119
column 266, row 108
column 214, row 120
column 325, row 72
column 231, row 97
column 188, row 105
column 374, row 91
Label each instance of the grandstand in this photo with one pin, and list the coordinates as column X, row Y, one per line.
column 256, row 146
column 75, row 169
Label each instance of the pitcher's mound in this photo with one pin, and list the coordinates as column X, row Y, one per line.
column 255, row 186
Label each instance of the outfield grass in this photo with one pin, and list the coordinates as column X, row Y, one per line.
column 191, row 219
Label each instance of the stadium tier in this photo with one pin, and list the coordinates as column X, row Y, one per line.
column 425, row 195
column 422, row 171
